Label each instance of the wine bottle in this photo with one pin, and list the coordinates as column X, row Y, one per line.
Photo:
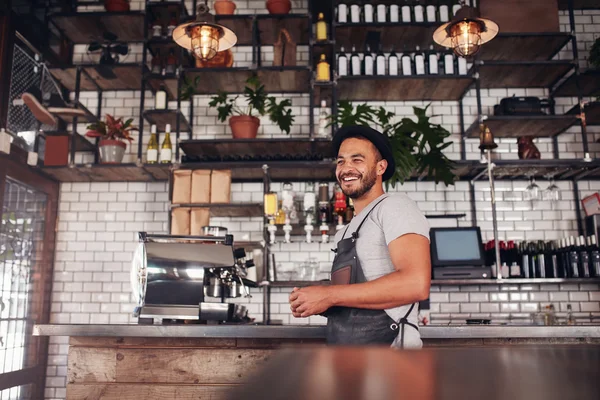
column 515, row 269
column 368, row 13
column 406, row 12
column 584, row 258
column 462, row 66
column 355, row 62
column 321, row 28
column 541, row 264
column 406, row 64
column 368, row 62
column 444, row 15
column 594, row 257
column 171, row 62
column 172, row 25
column 342, row 13
column 533, row 261
column 381, row 13
column 564, row 257
column 152, row 151
column 166, row 150
column 342, row 63
column 419, row 62
column 323, row 70
column 525, row 267
column 156, row 63
column 455, row 7
column 156, row 28
column 553, row 250
column 430, row 10
column 394, row 13
column 160, row 99
column 573, row 258
column 393, row 64
column 354, row 13
column 323, row 120
column 449, row 64
column 380, row 62
column 433, row 61
column 419, row 13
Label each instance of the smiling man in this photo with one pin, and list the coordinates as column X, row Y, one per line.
column 382, row 266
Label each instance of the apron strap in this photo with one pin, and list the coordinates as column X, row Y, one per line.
column 402, row 322
column 355, row 234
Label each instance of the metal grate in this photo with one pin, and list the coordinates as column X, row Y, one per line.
column 21, row 244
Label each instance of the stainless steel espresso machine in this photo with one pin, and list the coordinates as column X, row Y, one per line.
column 173, row 279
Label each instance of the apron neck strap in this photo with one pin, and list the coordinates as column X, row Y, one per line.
column 355, row 234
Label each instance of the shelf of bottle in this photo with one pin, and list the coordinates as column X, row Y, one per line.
column 108, row 172
column 514, row 126
column 559, row 169
column 269, row 27
column 126, row 76
column 155, row 81
column 161, row 118
column 459, row 282
column 87, row 27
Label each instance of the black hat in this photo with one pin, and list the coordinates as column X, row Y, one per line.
column 379, row 140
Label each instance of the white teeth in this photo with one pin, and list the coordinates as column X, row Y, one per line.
column 352, row 178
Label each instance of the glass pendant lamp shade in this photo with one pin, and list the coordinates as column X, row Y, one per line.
column 204, row 37
column 466, row 32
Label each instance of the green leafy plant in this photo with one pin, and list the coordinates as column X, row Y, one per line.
column 188, row 88
column 259, row 103
column 594, row 57
column 113, row 128
column 417, row 145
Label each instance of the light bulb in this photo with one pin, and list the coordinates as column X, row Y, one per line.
column 466, row 38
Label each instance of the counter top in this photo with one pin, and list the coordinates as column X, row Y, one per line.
column 307, row 332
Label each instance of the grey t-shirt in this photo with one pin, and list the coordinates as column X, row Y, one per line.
column 395, row 216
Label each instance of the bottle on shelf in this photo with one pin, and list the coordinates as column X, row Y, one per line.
column 339, row 206
column 380, row 62
column 570, row 319
column 515, row 269
column 419, row 13
column 156, row 63
column 368, row 62
column 449, row 68
column 354, row 62
column 342, row 63
column 431, row 13
column 342, row 13
column 406, row 12
column 323, row 70
column 321, row 29
column 564, row 259
column 433, row 61
column 573, row 259
column 323, row 131
column 309, row 206
column 462, row 66
column 419, row 62
column 280, row 217
column 171, row 62
column 455, row 7
column 172, row 24
column 393, row 63
column 541, row 259
column 152, row 151
column 381, row 13
column 324, row 211
column 355, row 13
column 394, row 13
column 157, row 28
column 160, row 99
column 554, row 259
column 368, row 12
column 444, row 14
column 525, row 260
column 166, row 149
column 349, row 211
column 594, row 257
column 406, row 64
column 584, row 257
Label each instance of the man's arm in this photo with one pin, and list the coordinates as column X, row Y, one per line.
column 408, row 284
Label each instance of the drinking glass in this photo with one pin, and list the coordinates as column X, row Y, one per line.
column 552, row 192
column 532, row 191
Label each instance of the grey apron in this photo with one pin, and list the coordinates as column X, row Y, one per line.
column 357, row 326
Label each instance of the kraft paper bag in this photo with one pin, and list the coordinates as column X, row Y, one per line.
column 199, row 217
column 180, row 221
column 201, row 186
column 220, row 186
column 182, row 186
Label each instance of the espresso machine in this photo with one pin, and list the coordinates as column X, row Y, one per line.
column 189, row 278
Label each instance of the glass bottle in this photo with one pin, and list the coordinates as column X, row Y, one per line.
column 433, row 61
column 171, row 62
column 156, row 63
column 160, row 99
column 419, row 17
column 449, row 64
column 594, row 257
column 444, row 15
column 323, row 70
column 368, row 62
column 340, row 206
column 321, row 28
column 172, row 25
column 342, row 63
column 394, row 13
column 323, row 120
column 381, row 13
column 342, row 13
column 380, row 62
column 462, row 66
column 406, row 64
column 419, row 62
column 368, row 13
column 393, row 63
column 354, row 63
column 152, row 151
column 354, row 13
column 430, row 11
column 406, row 12
column 166, row 149
column 280, row 218
column 156, row 28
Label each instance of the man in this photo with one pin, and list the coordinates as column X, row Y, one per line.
column 382, row 265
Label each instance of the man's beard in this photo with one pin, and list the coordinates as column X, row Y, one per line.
column 366, row 183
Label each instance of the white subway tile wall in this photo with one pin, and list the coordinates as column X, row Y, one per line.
column 98, row 222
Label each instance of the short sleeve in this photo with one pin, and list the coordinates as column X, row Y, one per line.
column 399, row 215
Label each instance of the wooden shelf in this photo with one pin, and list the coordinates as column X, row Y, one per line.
column 403, row 88
column 233, row 80
column 81, row 143
column 87, row 27
column 592, row 113
column 108, row 173
column 256, row 149
column 228, row 210
column 504, row 126
column 161, row 118
column 579, row 4
column 589, row 82
column 524, row 46
column 164, row 45
column 392, row 34
column 269, row 26
column 240, row 24
column 530, row 74
column 163, row 10
column 104, row 77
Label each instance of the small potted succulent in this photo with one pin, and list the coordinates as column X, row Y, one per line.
column 116, row 5
column 112, row 134
column 244, row 122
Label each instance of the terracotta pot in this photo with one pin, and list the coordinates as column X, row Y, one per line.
column 224, row 7
column 244, row 126
column 111, row 151
column 279, row 6
column 116, row 5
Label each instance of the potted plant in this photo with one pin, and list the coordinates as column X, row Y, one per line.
column 418, row 145
column 112, row 134
column 224, row 7
column 244, row 122
column 116, row 5
column 279, row 6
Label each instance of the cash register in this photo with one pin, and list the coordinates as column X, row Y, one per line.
column 457, row 253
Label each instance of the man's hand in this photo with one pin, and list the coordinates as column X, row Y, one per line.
column 310, row 300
